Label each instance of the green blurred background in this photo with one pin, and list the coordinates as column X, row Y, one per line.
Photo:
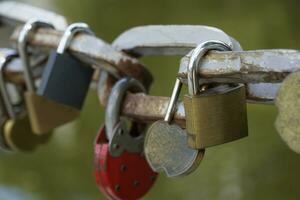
column 259, row 167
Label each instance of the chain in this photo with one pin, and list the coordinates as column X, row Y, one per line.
column 258, row 69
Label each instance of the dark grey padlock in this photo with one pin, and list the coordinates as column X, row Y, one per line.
column 65, row 79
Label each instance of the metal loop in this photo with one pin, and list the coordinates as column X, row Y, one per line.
column 69, row 33
column 28, row 27
column 197, row 54
column 4, row 59
column 115, row 100
column 174, row 97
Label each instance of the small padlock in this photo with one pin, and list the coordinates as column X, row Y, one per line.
column 65, row 79
column 120, row 167
column 44, row 114
column 16, row 131
column 118, row 135
column 213, row 118
column 5, row 56
column 127, row 176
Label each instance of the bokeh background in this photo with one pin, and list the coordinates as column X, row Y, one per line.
column 259, row 167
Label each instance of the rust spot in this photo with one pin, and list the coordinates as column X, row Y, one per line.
column 136, row 70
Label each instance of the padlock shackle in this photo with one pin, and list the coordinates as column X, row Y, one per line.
column 29, row 27
column 115, row 100
column 193, row 84
column 196, row 55
column 174, row 97
column 6, row 56
column 69, row 33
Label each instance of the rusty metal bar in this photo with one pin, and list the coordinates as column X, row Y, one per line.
column 269, row 66
column 242, row 67
column 265, row 68
column 93, row 51
column 259, row 66
column 148, row 108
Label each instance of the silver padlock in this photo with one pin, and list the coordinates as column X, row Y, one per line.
column 16, row 130
column 119, row 136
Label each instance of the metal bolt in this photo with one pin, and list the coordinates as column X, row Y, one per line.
column 123, row 168
column 116, row 146
column 136, row 183
column 117, row 188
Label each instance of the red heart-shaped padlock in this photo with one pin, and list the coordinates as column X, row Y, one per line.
column 124, row 177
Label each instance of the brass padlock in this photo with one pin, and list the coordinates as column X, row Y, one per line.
column 16, row 133
column 217, row 115
column 44, row 114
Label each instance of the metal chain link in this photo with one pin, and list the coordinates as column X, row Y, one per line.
column 261, row 70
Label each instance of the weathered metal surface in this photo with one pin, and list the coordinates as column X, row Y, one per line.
column 16, row 13
column 259, row 92
column 148, row 108
column 262, row 92
column 259, row 66
column 164, row 40
column 264, row 69
column 269, row 66
column 168, row 39
column 93, row 51
column 104, row 85
column 288, row 118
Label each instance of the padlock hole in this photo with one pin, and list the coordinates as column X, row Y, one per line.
column 135, row 129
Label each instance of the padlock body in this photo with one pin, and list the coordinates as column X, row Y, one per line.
column 46, row 115
column 19, row 136
column 216, row 118
column 127, row 176
column 65, row 80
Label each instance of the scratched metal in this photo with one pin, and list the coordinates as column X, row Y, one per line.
column 258, row 66
column 16, row 13
column 243, row 67
column 260, row 92
column 93, row 51
column 269, row 66
column 166, row 150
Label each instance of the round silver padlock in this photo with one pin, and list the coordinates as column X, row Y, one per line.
column 166, row 146
column 117, row 132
